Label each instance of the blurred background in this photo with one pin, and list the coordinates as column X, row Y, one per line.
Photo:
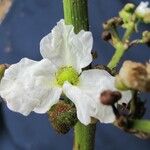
column 20, row 33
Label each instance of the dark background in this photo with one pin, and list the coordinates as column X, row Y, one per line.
column 20, row 34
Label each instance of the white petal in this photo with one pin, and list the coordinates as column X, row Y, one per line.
column 48, row 100
column 100, row 78
column 84, row 103
column 143, row 8
column 65, row 48
column 93, row 83
column 27, row 86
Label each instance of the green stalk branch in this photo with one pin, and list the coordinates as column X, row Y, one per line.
column 128, row 33
column 140, row 125
column 119, row 52
column 121, row 46
column 76, row 13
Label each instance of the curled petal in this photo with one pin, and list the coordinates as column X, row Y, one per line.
column 83, row 102
column 102, row 80
column 93, row 83
column 65, row 48
column 27, row 86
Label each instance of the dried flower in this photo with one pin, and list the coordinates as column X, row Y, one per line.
column 134, row 75
column 106, row 36
column 112, row 23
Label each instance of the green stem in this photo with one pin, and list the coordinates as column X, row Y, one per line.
column 141, row 125
column 115, row 35
column 76, row 13
column 84, row 137
column 128, row 33
column 120, row 50
column 120, row 46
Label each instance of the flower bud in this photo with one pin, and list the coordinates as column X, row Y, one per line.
column 129, row 7
column 128, row 17
column 134, row 75
column 127, row 12
column 110, row 97
column 63, row 117
column 146, row 37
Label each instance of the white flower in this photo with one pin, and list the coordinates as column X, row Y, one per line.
column 37, row 85
column 87, row 95
column 143, row 9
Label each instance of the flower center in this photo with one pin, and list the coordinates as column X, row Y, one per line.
column 67, row 74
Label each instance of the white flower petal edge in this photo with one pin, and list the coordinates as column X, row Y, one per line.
column 143, row 8
column 26, row 86
column 87, row 96
column 83, row 102
column 65, row 48
column 94, row 82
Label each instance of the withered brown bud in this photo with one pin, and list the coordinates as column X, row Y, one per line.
column 62, row 116
column 106, row 36
column 110, row 97
column 113, row 22
column 135, row 76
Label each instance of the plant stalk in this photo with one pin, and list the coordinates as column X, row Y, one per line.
column 84, row 137
column 119, row 52
column 76, row 13
column 121, row 46
column 141, row 125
